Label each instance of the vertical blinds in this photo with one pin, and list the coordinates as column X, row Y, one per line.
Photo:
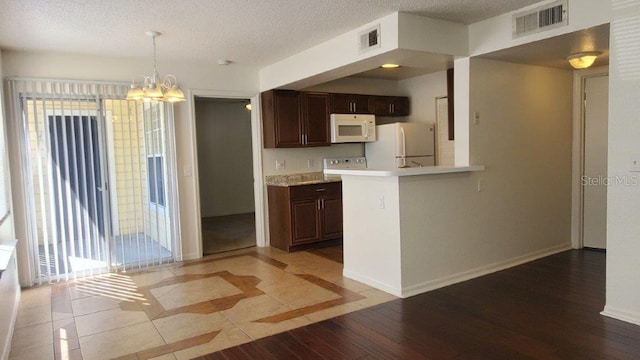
column 86, row 152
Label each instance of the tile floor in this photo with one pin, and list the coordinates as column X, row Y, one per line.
column 185, row 310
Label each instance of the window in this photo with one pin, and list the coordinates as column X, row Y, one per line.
column 156, row 183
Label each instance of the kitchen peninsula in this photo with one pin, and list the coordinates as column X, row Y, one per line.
column 401, row 228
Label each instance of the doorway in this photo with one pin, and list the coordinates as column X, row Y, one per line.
column 225, row 174
column 594, row 178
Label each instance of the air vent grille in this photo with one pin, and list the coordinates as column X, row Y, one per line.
column 540, row 19
column 370, row 39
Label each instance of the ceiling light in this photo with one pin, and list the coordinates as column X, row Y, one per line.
column 224, row 62
column 390, row 66
column 153, row 88
column 248, row 106
column 583, row 60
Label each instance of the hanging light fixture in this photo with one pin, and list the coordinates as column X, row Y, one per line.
column 582, row 60
column 154, row 88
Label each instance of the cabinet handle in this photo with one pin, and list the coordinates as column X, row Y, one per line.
column 390, row 108
column 321, row 189
column 322, row 202
column 319, row 205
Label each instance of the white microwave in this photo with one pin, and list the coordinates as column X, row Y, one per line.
column 349, row 128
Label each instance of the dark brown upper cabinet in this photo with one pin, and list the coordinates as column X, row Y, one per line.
column 389, row 105
column 349, row 104
column 295, row 119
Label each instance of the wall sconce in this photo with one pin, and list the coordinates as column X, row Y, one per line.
column 582, row 60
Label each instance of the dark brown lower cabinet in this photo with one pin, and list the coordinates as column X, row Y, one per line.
column 301, row 216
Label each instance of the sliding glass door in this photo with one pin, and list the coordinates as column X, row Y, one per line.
column 100, row 185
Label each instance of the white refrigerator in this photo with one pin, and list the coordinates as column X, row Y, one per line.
column 401, row 145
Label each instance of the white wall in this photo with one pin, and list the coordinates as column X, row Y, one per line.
column 297, row 159
column 358, row 85
column 225, row 159
column 233, row 78
column 9, row 288
column 423, row 91
column 449, row 230
column 623, row 217
column 524, row 141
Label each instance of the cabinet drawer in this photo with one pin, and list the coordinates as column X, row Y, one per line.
column 313, row 190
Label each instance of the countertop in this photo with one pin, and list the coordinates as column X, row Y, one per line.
column 301, row 179
column 427, row 170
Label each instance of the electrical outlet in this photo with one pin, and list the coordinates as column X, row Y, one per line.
column 476, row 118
column 634, row 164
column 310, row 164
column 281, row 164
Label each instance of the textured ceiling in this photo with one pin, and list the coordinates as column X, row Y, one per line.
column 253, row 33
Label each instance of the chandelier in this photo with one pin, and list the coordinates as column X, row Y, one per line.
column 153, row 88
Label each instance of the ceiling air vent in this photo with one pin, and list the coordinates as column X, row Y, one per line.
column 542, row 18
column 369, row 39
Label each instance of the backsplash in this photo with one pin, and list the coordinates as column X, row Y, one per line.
column 297, row 160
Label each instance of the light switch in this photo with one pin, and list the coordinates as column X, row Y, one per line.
column 381, row 202
column 310, row 163
column 281, row 164
column 186, row 171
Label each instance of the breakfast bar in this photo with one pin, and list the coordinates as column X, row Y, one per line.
column 401, row 228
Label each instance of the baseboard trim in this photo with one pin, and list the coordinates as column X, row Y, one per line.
column 480, row 271
column 371, row 282
column 631, row 317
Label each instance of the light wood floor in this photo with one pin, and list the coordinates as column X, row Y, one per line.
column 546, row 309
column 184, row 310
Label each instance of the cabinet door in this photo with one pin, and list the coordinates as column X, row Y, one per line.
column 400, row 106
column 304, row 221
column 379, row 105
column 315, row 118
column 389, row 105
column 287, row 124
column 341, row 104
column 331, row 217
column 360, row 104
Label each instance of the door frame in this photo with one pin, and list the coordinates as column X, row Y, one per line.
column 256, row 145
column 577, row 193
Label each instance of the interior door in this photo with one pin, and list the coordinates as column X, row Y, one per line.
column 594, row 180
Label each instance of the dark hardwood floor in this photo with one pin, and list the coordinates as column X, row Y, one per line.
column 330, row 252
column 546, row 309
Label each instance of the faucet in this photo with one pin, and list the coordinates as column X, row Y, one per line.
column 416, row 163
